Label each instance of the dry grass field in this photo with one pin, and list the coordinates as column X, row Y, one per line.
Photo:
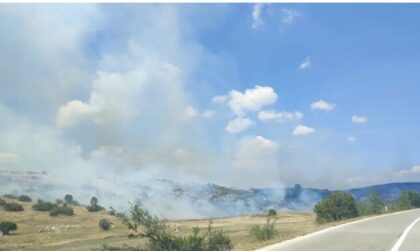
column 39, row 231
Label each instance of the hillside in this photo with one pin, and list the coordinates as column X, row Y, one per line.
column 39, row 231
column 176, row 200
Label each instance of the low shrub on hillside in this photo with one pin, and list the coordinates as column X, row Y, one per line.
column 41, row 205
column 94, row 206
column 13, row 207
column 337, row 206
column 272, row 212
column 105, row 224
column 6, row 227
column 24, row 198
column 112, row 211
column 160, row 238
column 10, row 196
column 264, row 232
column 2, row 202
column 63, row 210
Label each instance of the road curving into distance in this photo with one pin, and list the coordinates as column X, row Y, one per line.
column 391, row 232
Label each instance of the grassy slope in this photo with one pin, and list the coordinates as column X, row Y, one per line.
column 88, row 235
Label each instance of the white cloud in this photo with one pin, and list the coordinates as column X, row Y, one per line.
column 359, row 119
column 208, row 113
column 303, row 130
column 413, row 170
column 72, row 113
column 238, row 124
column 351, row 139
column 305, row 64
column 279, row 116
column 322, row 105
column 255, row 152
column 7, row 158
column 190, row 112
column 251, row 100
column 289, row 16
column 219, row 99
column 256, row 16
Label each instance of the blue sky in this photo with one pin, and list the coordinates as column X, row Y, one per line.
column 131, row 89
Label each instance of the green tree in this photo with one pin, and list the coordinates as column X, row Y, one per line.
column 68, row 198
column 377, row 204
column 93, row 201
column 94, row 206
column 272, row 212
column 337, row 206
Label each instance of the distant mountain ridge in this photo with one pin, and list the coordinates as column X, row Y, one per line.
column 388, row 192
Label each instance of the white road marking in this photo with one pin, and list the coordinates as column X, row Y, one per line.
column 397, row 245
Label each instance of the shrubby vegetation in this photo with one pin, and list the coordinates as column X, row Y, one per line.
column 10, row 196
column 112, row 211
column 272, row 212
column 407, row 200
column 104, row 224
column 94, row 206
column 374, row 204
column 337, row 206
column 264, row 232
column 2, row 202
column 13, row 207
column 24, row 198
column 160, row 238
column 68, row 199
column 41, row 205
column 63, row 210
column 6, row 227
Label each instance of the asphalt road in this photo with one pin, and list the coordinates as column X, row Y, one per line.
column 393, row 232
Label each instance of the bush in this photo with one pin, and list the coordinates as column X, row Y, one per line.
column 64, row 210
column 10, row 196
column 112, row 211
column 54, row 211
column 13, row 207
column 337, row 206
column 264, row 232
column 407, row 200
column 94, row 206
column 41, row 205
column 161, row 239
column 104, row 224
column 75, row 203
column 374, row 204
column 272, row 212
column 2, row 202
column 24, row 198
column 7, row 226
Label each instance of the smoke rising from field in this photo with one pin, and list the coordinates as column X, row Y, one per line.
column 105, row 100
